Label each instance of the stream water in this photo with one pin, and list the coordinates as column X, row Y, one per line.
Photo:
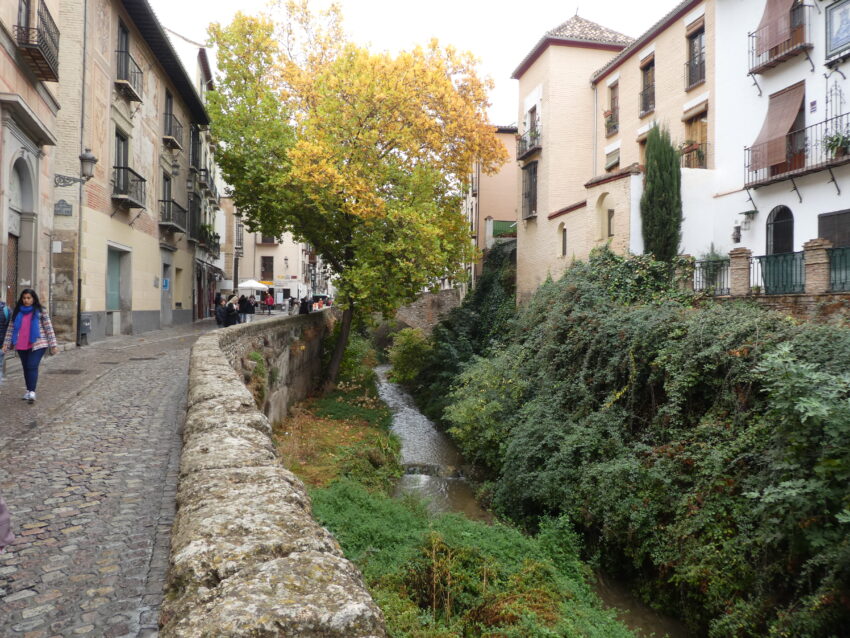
column 434, row 471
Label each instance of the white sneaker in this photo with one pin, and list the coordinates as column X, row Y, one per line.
column 26, row 396
column 31, row 397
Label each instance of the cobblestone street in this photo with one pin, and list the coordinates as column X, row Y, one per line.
column 89, row 473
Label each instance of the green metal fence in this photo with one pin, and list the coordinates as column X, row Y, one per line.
column 780, row 274
column 839, row 269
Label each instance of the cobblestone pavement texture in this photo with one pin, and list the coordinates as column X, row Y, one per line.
column 90, row 473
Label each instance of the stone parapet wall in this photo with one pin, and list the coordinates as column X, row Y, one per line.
column 247, row 557
column 825, row 307
column 428, row 309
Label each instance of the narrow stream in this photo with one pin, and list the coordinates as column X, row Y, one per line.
column 433, row 470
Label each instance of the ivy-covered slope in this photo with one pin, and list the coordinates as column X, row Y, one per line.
column 703, row 450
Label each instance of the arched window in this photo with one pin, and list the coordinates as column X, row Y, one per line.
column 780, row 231
column 562, row 234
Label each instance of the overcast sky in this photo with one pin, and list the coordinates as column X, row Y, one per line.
column 499, row 33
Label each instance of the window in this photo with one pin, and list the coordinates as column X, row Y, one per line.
column 166, row 187
column 835, row 227
column 267, row 268
column 610, row 222
column 647, row 95
column 780, row 145
column 612, row 115
column 24, row 14
column 612, row 159
column 122, row 149
column 268, row 239
column 695, row 69
column 780, row 231
column 695, row 148
column 563, row 241
column 529, row 190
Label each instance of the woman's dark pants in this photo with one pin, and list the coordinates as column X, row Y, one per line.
column 30, row 359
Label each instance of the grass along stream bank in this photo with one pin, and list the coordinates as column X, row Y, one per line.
column 433, row 576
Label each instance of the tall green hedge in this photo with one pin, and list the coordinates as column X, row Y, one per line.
column 704, row 451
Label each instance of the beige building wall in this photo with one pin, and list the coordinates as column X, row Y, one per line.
column 672, row 100
column 561, row 76
column 28, row 109
column 497, row 196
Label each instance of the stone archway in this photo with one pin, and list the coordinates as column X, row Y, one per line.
column 604, row 210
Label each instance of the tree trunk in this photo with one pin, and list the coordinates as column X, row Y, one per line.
column 339, row 349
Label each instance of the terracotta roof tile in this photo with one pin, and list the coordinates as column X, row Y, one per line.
column 577, row 28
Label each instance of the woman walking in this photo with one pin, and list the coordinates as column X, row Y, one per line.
column 231, row 312
column 30, row 334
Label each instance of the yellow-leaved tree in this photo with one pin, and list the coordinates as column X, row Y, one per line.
column 363, row 155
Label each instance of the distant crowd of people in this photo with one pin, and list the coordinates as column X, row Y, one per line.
column 241, row 309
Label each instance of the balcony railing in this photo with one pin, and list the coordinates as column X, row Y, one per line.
column 204, row 176
column 647, row 100
column 172, row 216
column 40, row 45
column 528, row 143
column 788, row 40
column 694, row 155
column 172, row 134
column 612, row 120
column 711, row 276
column 839, row 269
column 780, row 274
column 694, row 72
column 128, row 187
column 808, row 150
column 130, row 76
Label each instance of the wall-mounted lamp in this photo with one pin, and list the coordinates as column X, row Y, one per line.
column 736, row 234
column 175, row 168
column 286, row 262
column 87, row 162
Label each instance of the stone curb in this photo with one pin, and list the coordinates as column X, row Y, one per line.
column 247, row 557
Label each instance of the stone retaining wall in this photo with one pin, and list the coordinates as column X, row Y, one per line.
column 247, row 558
column 428, row 309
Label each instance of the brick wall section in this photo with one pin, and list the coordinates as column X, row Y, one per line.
column 817, row 266
column 826, row 307
column 428, row 309
column 739, row 271
column 247, row 557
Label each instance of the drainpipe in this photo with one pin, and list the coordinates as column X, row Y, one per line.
column 595, row 127
column 82, row 186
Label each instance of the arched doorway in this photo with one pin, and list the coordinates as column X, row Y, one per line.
column 780, row 231
column 20, row 253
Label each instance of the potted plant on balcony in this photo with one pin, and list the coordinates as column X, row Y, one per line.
column 837, row 143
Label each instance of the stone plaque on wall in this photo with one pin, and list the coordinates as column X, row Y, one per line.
column 63, row 208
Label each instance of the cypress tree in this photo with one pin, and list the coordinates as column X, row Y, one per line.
column 661, row 203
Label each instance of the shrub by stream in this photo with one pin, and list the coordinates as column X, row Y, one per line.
column 702, row 450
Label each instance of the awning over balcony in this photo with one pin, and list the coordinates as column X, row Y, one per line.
column 775, row 25
column 770, row 147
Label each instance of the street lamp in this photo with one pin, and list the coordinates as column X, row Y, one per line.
column 87, row 162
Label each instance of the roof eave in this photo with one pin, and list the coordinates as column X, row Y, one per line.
column 546, row 41
column 148, row 25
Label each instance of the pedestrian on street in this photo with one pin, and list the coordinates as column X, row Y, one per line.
column 243, row 309
column 4, row 324
column 6, row 535
column 251, row 308
column 221, row 311
column 231, row 312
column 304, row 309
column 31, row 335
column 269, row 302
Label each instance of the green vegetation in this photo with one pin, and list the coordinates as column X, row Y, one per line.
column 703, row 452
column 258, row 381
column 443, row 577
column 661, row 202
column 448, row 576
column 482, row 321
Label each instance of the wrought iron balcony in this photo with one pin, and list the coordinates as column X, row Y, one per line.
column 528, row 143
column 172, row 216
column 646, row 99
column 773, row 44
column 694, row 155
column 612, row 120
column 711, row 277
column 694, row 72
column 129, row 78
column 204, row 177
column 128, row 187
column 781, row 274
column 172, row 135
column 815, row 148
column 39, row 45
